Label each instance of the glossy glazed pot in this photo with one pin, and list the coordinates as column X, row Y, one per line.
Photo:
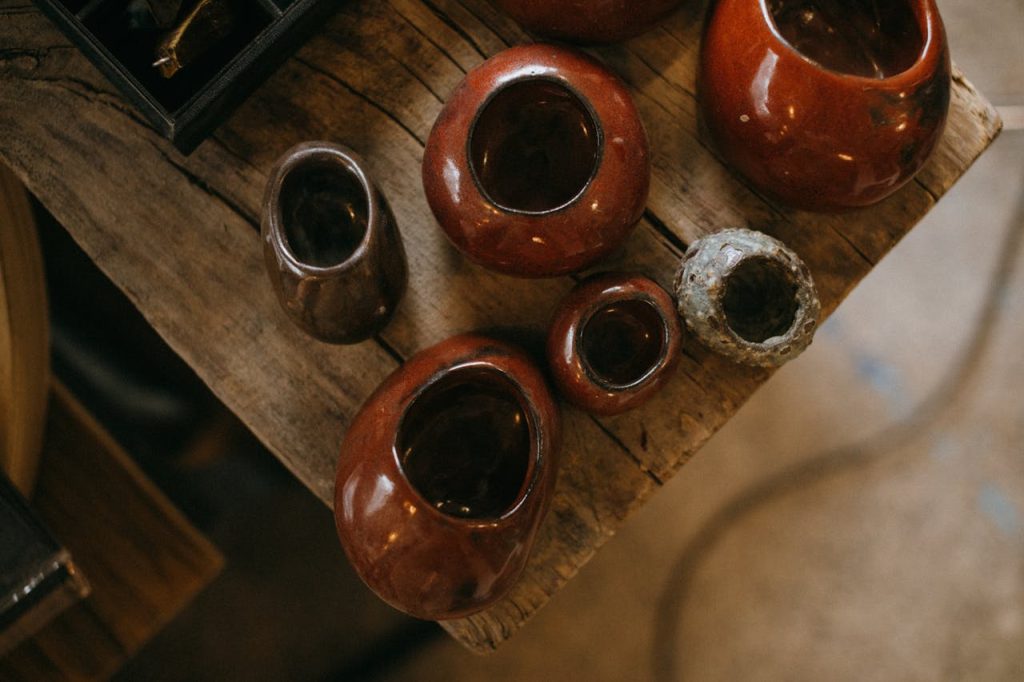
column 331, row 246
column 828, row 105
column 445, row 475
column 614, row 342
column 539, row 164
column 748, row 296
column 588, row 21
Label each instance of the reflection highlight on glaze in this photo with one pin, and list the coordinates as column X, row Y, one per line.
column 759, row 87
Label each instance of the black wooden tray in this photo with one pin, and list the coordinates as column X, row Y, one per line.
column 187, row 107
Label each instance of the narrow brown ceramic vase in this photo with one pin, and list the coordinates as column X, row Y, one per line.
column 614, row 342
column 826, row 105
column 748, row 296
column 588, row 21
column 538, row 165
column 445, row 475
column 332, row 249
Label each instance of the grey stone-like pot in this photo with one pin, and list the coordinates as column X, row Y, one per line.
column 748, row 296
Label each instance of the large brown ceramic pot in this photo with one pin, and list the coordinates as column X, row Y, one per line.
column 539, row 164
column 331, row 246
column 614, row 342
column 445, row 475
column 748, row 296
column 588, row 21
column 827, row 105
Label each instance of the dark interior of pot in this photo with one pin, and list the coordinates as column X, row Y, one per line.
column 465, row 444
column 623, row 342
column 759, row 300
column 534, row 147
column 871, row 38
column 324, row 211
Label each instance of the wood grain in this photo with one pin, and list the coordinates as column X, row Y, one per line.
column 24, row 337
column 178, row 235
column 144, row 561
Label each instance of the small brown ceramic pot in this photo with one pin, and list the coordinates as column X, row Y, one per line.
column 331, row 245
column 588, row 21
column 614, row 342
column 538, row 165
column 830, row 105
column 747, row 296
column 445, row 475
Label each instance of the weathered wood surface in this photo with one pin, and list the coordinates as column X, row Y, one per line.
column 142, row 559
column 179, row 236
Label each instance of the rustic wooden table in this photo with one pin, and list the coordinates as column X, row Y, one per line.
column 179, row 236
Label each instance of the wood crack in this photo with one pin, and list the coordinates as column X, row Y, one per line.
column 636, row 460
column 469, row 10
column 419, row 80
column 389, row 349
column 453, row 25
column 365, row 98
column 430, row 40
column 659, row 226
column 920, row 183
column 248, row 216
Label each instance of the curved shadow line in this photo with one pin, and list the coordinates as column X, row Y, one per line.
column 835, row 461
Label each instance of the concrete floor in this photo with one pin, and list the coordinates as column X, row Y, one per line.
column 863, row 516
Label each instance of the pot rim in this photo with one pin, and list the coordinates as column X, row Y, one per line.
column 303, row 154
column 564, row 83
column 623, row 293
column 929, row 23
column 535, row 464
column 804, row 295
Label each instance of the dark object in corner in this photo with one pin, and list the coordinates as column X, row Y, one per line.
column 37, row 578
column 121, row 37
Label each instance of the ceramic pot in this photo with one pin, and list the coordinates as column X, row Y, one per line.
column 747, row 296
column 539, row 164
column 332, row 249
column 614, row 342
column 445, row 475
column 827, row 105
column 588, row 21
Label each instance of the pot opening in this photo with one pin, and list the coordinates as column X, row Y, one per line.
column 325, row 212
column 623, row 342
column 760, row 300
column 869, row 38
column 465, row 444
column 534, row 147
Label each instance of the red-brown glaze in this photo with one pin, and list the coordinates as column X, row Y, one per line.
column 563, row 239
column 588, row 21
column 824, row 138
column 598, row 375
column 425, row 562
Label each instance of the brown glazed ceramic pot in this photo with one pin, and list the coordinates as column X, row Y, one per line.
column 539, row 164
column 588, row 21
column 748, row 296
column 445, row 475
column 332, row 249
column 614, row 342
column 827, row 105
